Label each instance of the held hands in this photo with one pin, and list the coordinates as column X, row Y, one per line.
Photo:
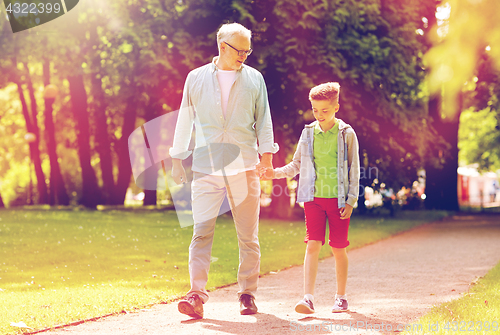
column 265, row 169
column 345, row 213
column 267, row 174
column 178, row 172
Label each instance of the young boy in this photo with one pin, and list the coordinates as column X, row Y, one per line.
column 327, row 159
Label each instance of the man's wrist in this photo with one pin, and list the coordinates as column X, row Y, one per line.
column 267, row 158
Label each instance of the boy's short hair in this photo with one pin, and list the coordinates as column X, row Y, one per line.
column 228, row 30
column 327, row 91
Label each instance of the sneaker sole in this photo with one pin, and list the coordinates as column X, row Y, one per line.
column 303, row 309
column 186, row 308
column 247, row 312
column 340, row 310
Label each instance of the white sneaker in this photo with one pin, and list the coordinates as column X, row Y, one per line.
column 305, row 306
column 340, row 305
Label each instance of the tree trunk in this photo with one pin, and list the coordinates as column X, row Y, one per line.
column 150, row 197
column 90, row 189
column 34, row 147
column 441, row 170
column 125, row 169
column 34, row 106
column 2, row 205
column 58, row 194
column 102, row 141
column 441, row 179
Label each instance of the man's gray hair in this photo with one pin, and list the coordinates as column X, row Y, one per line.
column 228, row 30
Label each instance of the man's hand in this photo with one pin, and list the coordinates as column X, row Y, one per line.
column 268, row 174
column 345, row 213
column 178, row 172
column 265, row 167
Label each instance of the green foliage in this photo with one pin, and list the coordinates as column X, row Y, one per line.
column 136, row 56
column 479, row 139
column 14, row 151
column 479, row 134
column 117, row 50
column 473, row 29
column 373, row 50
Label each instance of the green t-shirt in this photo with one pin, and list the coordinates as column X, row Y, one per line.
column 325, row 161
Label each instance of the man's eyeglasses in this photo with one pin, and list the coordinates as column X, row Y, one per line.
column 241, row 52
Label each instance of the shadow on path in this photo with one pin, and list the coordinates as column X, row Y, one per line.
column 263, row 323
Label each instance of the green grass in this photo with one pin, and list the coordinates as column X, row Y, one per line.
column 470, row 313
column 61, row 266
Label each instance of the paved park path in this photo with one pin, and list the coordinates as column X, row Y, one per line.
column 391, row 282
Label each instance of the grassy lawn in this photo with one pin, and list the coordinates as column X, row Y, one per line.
column 477, row 312
column 61, row 266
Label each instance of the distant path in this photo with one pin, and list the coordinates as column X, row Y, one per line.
column 393, row 282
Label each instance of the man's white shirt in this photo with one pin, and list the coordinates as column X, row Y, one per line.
column 226, row 80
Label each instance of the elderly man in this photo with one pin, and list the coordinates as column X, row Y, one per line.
column 227, row 103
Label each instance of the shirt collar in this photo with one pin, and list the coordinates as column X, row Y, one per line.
column 318, row 130
column 215, row 68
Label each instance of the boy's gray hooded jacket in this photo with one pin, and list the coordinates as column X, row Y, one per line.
column 347, row 168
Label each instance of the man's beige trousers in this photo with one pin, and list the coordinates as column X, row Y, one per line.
column 208, row 193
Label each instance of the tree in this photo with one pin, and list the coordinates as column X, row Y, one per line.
column 90, row 191
column 32, row 127
column 470, row 33
column 26, row 52
column 373, row 49
column 130, row 72
column 479, row 136
column 126, row 64
column 57, row 191
column 17, row 73
column 479, row 139
column 99, row 107
column 453, row 61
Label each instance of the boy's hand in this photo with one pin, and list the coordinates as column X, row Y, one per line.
column 345, row 213
column 268, row 174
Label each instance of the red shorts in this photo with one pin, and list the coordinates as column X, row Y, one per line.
column 317, row 212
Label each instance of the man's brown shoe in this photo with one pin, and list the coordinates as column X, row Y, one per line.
column 192, row 306
column 247, row 305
